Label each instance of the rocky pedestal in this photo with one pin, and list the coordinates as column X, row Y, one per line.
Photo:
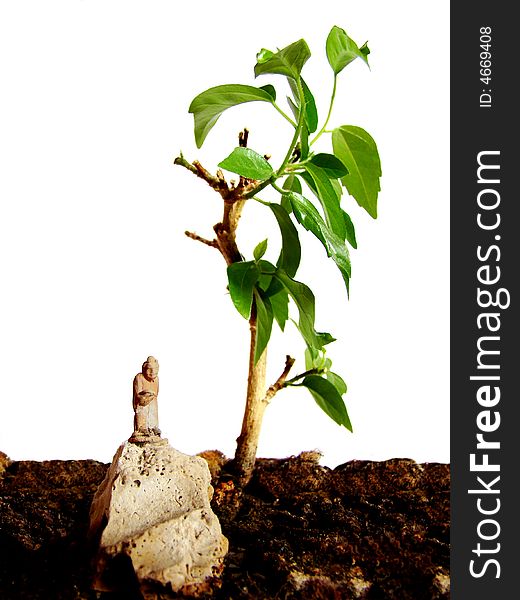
column 153, row 509
column 5, row 461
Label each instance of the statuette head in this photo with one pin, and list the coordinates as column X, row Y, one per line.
column 150, row 368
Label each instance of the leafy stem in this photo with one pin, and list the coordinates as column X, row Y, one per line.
column 297, row 165
column 259, row 187
column 260, row 290
column 280, row 383
column 284, row 115
column 332, row 98
column 297, row 133
column 277, row 188
column 302, row 376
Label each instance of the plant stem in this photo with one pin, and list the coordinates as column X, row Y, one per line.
column 247, row 442
column 302, row 376
column 257, row 398
column 284, row 115
column 297, row 133
column 322, row 130
column 198, row 238
column 278, row 188
column 259, row 188
column 279, row 384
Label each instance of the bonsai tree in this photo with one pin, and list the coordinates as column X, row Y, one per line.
column 262, row 290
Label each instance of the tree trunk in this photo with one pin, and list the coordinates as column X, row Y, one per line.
column 247, row 442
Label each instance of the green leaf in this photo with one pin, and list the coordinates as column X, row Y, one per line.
column 264, row 55
column 267, row 267
column 329, row 199
column 290, row 254
column 315, row 358
column 268, row 283
column 351, row 232
column 242, row 278
column 329, row 164
column 210, row 104
column 336, row 184
column 304, row 300
column 328, row 399
column 280, row 306
column 248, row 163
column 289, row 61
column 270, row 90
column 264, row 323
column 309, row 217
column 358, row 151
column 325, row 338
column 264, row 282
column 274, row 287
column 342, row 50
column 260, row 249
column 294, row 109
column 311, row 112
column 293, row 184
column 365, row 51
column 309, row 358
column 337, row 382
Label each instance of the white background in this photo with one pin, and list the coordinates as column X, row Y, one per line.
column 96, row 271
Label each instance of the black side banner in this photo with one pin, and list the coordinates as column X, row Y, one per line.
column 485, row 356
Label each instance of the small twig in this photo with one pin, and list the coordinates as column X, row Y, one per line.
column 280, row 382
column 230, row 194
column 181, row 161
column 234, row 196
column 217, row 183
column 198, row 238
column 242, row 138
column 296, row 155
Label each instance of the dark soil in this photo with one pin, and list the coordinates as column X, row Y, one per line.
column 300, row 531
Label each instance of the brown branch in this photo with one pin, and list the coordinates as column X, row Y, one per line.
column 217, row 183
column 230, row 194
column 198, row 238
column 234, row 196
column 181, row 161
column 227, row 245
column 280, row 382
column 247, row 442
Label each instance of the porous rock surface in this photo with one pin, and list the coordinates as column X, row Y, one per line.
column 5, row 461
column 154, row 508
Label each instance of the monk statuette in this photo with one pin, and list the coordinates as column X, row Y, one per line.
column 146, row 389
column 153, row 511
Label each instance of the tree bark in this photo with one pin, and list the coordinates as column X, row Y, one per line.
column 256, row 403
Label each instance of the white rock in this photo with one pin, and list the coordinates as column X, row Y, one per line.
column 154, row 507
